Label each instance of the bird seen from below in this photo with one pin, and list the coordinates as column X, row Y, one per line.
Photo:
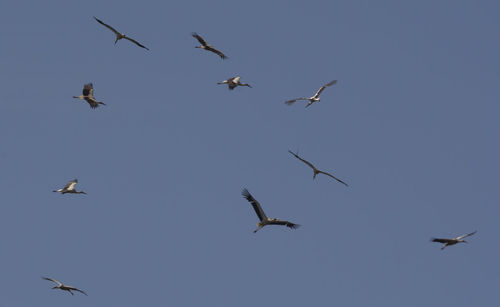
column 264, row 220
column 234, row 82
column 64, row 287
column 121, row 35
column 88, row 96
column 206, row 46
column 315, row 170
column 70, row 188
column 448, row 242
column 314, row 98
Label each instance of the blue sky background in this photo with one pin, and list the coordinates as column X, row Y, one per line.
column 412, row 125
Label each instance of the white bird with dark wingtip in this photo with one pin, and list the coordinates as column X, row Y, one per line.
column 234, row 82
column 314, row 98
column 121, row 35
column 448, row 242
column 315, row 170
column 70, row 188
column 264, row 220
column 88, row 96
column 64, row 287
column 206, row 46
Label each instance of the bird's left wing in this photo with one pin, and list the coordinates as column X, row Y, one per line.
column 219, row 53
column 465, row 236
column 200, row 39
column 52, row 280
column 255, row 204
column 306, row 162
column 325, row 86
column 291, row 101
column 136, row 42
column 88, row 89
column 106, row 25
column 76, row 289
column 287, row 224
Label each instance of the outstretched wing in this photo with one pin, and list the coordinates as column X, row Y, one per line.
column 219, row 53
column 71, row 185
column 255, row 204
column 136, row 42
column 76, row 289
column 334, row 178
column 324, row 86
column 286, row 223
column 465, row 236
column 88, row 90
column 290, row 102
column 306, row 162
column 200, row 39
column 442, row 240
column 107, row 26
column 52, row 280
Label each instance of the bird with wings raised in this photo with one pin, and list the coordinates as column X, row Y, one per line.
column 88, row 96
column 70, row 188
column 64, row 287
column 206, row 46
column 264, row 220
column 315, row 170
column 120, row 35
column 314, row 98
column 233, row 82
column 453, row 241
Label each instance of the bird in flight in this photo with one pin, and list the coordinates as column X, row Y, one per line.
column 234, row 82
column 88, row 96
column 448, row 242
column 207, row 46
column 120, row 35
column 70, row 188
column 264, row 220
column 63, row 287
column 314, row 98
column 315, row 170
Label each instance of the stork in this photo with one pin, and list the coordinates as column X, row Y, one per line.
column 448, row 242
column 121, row 35
column 315, row 170
column 234, row 82
column 88, row 96
column 314, row 98
column 70, row 188
column 206, row 46
column 64, row 287
column 264, row 220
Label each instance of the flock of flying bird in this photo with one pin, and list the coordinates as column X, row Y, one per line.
column 88, row 96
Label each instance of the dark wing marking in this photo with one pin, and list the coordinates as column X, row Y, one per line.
column 219, row 53
column 324, row 86
column 440, row 240
column 88, row 89
column 200, row 39
column 255, row 204
column 70, row 184
column 285, row 223
column 106, row 25
column 334, row 178
column 136, row 42
column 306, row 162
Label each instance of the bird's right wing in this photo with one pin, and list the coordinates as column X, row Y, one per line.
column 255, row 204
column 106, row 25
column 88, row 90
column 306, row 162
column 76, row 289
column 290, row 102
column 136, row 42
column 200, row 39
column 52, row 280
column 219, row 53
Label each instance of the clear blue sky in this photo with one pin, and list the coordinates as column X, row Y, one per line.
column 412, row 125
